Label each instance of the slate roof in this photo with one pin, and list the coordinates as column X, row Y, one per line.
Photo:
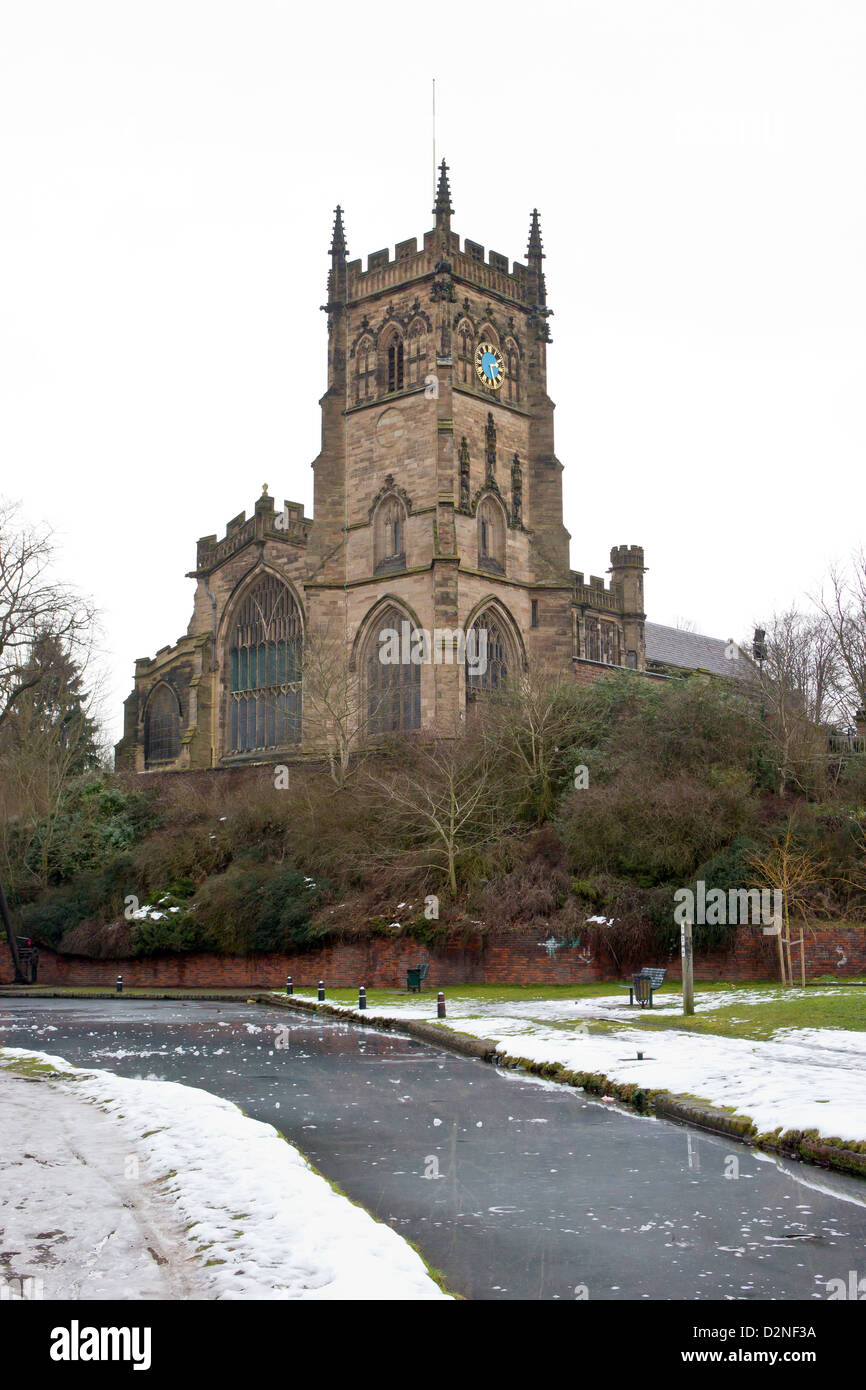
column 691, row 651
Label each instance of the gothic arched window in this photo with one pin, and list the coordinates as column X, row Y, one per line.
column 416, row 352
column 491, row 535
column 487, row 656
column 393, row 363
column 365, row 371
column 265, row 649
column 389, row 534
column 393, row 683
column 161, row 727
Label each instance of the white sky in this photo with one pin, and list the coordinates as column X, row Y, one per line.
column 169, row 170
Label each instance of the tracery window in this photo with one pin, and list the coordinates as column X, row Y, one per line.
column 486, row 656
column 394, row 364
column 265, row 651
column 365, row 371
column 393, row 685
column 161, row 727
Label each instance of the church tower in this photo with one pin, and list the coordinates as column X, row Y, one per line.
column 437, row 515
column 438, row 495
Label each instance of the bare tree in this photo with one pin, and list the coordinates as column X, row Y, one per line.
column 528, row 731
column 844, row 610
column 444, row 802
column 35, row 609
column 797, row 694
column 792, row 872
column 33, row 605
column 336, row 700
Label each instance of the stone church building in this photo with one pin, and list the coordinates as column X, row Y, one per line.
column 437, row 508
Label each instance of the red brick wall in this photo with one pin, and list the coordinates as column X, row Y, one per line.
column 379, row 963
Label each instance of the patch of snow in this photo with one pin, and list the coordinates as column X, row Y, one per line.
column 266, row 1223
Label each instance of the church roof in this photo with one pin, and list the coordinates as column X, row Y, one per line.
column 691, row 651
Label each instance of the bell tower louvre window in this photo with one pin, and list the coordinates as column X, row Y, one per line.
column 395, row 365
column 365, row 388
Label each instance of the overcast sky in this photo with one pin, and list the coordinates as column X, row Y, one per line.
column 168, row 173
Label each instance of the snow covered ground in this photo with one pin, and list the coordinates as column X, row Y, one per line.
column 121, row 1188
column 806, row 1078
column 72, row 1225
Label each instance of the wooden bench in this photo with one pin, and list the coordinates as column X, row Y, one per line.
column 643, row 982
column 415, row 977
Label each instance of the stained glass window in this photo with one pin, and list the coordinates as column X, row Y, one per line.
column 393, row 686
column 265, row 649
column 486, row 656
column 161, row 727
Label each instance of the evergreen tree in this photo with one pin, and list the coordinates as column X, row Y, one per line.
column 52, row 711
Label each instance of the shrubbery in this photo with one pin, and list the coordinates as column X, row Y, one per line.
column 266, row 908
column 96, row 819
column 682, row 786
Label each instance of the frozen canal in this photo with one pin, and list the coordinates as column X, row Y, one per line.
column 512, row 1188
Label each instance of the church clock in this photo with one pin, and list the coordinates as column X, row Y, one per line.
column 489, row 366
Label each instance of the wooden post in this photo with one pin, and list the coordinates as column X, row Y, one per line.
column 778, row 926
column 788, row 953
column 803, row 957
column 688, row 968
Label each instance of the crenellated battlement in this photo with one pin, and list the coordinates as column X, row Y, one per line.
column 385, row 272
column 595, row 594
column 290, row 524
column 627, row 557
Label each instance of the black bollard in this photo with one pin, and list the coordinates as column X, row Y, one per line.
column 120, row 984
column 289, row 986
column 440, row 1005
column 362, row 997
column 321, row 990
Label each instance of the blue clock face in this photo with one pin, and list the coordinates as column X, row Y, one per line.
column 489, row 366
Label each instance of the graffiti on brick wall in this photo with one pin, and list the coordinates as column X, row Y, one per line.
column 552, row 945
